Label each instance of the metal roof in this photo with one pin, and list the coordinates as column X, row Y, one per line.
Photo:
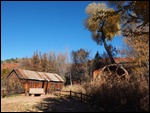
column 34, row 75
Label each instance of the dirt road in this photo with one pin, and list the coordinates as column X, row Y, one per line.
column 21, row 103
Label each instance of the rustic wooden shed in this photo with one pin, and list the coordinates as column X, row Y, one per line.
column 27, row 80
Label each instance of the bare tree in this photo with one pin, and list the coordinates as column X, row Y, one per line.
column 62, row 63
column 52, row 65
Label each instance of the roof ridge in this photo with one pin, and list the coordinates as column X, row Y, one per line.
column 35, row 75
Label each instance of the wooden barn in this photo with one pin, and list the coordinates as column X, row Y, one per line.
column 32, row 82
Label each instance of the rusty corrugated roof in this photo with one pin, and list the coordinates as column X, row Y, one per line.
column 59, row 77
column 120, row 60
column 52, row 76
column 42, row 76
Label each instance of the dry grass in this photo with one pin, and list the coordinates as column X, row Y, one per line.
column 120, row 95
column 47, row 103
column 18, row 103
column 75, row 88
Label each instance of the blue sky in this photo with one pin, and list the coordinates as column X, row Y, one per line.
column 27, row 26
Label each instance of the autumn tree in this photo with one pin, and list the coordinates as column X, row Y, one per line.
column 79, row 69
column 105, row 56
column 44, row 63
column 138, row 48
column 47, row 62
column 35, row 61
column 26, row 63
column 68, row 76
column 135, row 29
column 134, row 14
column 102, row 25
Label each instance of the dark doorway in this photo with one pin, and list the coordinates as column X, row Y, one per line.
column 43, row 84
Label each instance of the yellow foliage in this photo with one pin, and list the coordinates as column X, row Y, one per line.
column 99, row 14
column 139, row 48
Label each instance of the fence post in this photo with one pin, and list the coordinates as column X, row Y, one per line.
column 70, row 93
column 81, row 96
column 2, row 93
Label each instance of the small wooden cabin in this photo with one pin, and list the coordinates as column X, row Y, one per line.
column 26, row 80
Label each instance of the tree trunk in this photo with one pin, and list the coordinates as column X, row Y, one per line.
column 107, row 49
column 108, row 52
column 70, row 79
column 105, row 45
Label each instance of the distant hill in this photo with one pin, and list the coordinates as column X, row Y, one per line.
column 10, row 65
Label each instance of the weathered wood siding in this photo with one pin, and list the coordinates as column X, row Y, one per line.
column 14, row 84
column 53, row 86
column 35, row 84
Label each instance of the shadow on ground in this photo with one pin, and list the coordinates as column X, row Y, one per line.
column 64, row 104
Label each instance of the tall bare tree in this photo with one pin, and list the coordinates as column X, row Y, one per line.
column 62, row 63
column 52, row 65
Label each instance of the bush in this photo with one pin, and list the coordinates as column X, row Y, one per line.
column 4, row 73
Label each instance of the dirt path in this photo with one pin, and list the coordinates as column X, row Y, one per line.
column 46, row 103
column 20, row 103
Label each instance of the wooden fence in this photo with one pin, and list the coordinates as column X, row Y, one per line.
column 81, row 96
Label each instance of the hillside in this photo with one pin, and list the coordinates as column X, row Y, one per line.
column 10, row 65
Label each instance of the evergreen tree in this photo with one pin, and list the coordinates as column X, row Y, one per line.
column 97, row 62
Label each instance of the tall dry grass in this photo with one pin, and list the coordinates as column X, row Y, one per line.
column 75, row 88
column 115, row 94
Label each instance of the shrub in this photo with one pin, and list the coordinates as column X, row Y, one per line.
column 75, row 88
column 120, row 95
